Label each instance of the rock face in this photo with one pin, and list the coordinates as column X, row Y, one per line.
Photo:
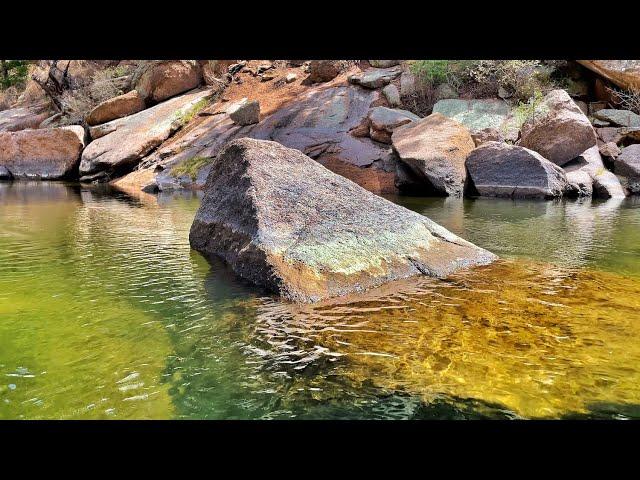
column 435, row 148
column 587, row 176
column 623, row 118
column 245, row 112
column 624, row 73
column 375, row 77
column 283, row 221
column 116, row 107
column 323, row 71
column 47, row 154
column 476, row 115
column 502, row 170
column 122, row 143
column 383, row 121
column 558, row 130
column 318, row 123
column 168, row 78
column 16, row 119
column 627, row 166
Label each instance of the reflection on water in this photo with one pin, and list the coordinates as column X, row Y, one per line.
column 105, row 312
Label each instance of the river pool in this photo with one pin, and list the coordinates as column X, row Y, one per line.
column 105, row 312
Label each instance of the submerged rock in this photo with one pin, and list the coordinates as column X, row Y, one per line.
column 503, row 170
column 5, row 174
column 285, row 222
column 435, row 148
column 558, row 130
column 47, row 154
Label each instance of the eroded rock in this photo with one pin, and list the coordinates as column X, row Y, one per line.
column 558, row 130
column 435, row 148
column 116, row 107
column 45, row 154
column 502, row 170
column 283, row 221
column 627, row 166
column 168, row 78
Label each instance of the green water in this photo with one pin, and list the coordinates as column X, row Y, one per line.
column 105, row 312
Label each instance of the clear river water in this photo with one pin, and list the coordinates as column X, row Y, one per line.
column 106, row 313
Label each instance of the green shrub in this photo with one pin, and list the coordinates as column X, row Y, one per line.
column 529, row 109
column 182, row 118
column 520, row 79
column 13, row 72
column 190, row 167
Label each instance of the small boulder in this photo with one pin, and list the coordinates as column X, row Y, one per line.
column 283, row 221
column 502, row 170
column 168, row 78
column 392, row 95
column 290, row 78
column 116, row 107
column 244, row 112
column 375, row 77
column 384, row 63
column 627, row 166
column 558, row 130
column 445, row 91
column 622, row 118
column 46, row 154
column 609, row 150
column 487, row 135
column 383, row 121
column 323, row 71
column 407, row 84
column 587, row 176
column 435, row 148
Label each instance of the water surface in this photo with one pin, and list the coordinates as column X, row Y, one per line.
column 105, row 312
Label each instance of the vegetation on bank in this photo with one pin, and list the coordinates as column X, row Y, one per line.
column 190, row 167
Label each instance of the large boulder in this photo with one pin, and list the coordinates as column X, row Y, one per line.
column 168, row 78
column 476, row 115
column 623, row 73
column 16, row 119
column 384, row 63
column 435, row 148
column 627, row 166
column 558, row 130
column 502, row 170
column 323, row 70
column 46, row 154
column 116, row 107
column 284, row 222
column 122, row 143
column 587, row 176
